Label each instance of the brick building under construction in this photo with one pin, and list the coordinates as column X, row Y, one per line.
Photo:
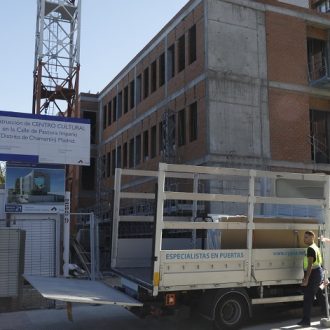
column 234, row 83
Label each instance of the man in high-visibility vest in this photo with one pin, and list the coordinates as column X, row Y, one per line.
column 312, row 276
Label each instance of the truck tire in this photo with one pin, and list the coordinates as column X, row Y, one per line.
column 231, row 312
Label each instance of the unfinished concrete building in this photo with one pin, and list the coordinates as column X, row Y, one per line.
column 231, row 83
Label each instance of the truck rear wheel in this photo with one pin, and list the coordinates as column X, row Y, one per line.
column 230, row 312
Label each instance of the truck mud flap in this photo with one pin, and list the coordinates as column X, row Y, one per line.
column 80, row 291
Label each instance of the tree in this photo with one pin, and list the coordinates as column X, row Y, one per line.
column 2, row 172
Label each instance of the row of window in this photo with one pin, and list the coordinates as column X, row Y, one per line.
column 152, row 77
column 317, row 58
column 144, row 146
column 320, row 136
column 132, row 153
column 323, row 6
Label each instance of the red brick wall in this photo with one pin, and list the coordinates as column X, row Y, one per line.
column 289, row 110
column 193, row 150
column 286, row 49
column 289, row 126
column 74, row 172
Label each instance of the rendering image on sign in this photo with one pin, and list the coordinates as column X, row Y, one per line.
column 35, row 190
column 44, row 139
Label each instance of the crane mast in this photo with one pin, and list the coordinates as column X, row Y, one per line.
column 57, row 57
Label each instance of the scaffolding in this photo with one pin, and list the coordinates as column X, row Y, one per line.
column 103, row 193
column 57, row 52
column 168, row 150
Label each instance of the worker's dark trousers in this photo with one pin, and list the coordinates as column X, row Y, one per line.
column 310, row 290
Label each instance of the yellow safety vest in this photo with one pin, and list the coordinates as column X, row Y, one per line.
column 318, row 257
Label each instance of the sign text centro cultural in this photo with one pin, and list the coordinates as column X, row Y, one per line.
column 44, row 139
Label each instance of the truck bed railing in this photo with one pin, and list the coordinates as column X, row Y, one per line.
column 252, row 198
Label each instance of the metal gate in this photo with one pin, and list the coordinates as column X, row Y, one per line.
column 41, row 255
column 40, row 245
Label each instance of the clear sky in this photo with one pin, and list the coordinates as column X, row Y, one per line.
column 112, row 33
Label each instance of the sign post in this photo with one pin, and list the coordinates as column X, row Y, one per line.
column 66, row 235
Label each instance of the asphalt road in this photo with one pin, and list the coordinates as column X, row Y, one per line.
column 86, row 317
